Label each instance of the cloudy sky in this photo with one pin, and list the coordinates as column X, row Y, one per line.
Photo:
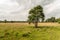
column 18, row 9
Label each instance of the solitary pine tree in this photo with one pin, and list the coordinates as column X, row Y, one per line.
column 35, row 15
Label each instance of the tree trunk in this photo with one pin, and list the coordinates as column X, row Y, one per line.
column 36, row 24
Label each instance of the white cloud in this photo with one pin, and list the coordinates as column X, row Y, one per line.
column 18, row 9
column 52, row 6
column 8, row 2
column 52, row 9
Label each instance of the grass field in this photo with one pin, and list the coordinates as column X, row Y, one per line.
column 24, row 31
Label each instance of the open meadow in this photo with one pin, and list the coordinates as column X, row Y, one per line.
column 24, row 31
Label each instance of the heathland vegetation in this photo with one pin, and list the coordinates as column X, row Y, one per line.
column 24, row 31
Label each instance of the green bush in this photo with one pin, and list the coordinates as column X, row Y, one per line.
column 59, row 22
column 26, row 34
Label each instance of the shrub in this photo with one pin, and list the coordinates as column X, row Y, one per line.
column 59, row 22
column 26, row 34
column 1, row 36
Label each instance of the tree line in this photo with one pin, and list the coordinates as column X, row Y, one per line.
column 51, row 19
column 6, row 21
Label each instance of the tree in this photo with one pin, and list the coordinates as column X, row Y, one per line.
column 35, row 15
column 58, row 20
column 12, row 21
column 52, row 19
column 5, row 20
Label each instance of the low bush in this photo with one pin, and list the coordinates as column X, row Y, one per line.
column 26, row 34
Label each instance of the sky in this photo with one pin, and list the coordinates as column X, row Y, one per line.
column 18, row 10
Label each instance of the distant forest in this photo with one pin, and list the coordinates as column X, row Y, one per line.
column 52, row 19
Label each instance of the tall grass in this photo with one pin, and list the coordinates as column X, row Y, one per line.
column 19, row 32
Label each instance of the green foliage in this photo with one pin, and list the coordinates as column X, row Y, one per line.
column 35, row 15
column 58, row 20
column 5, row 21
column 52, row 19
column 26, row 34
column 12, row 21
